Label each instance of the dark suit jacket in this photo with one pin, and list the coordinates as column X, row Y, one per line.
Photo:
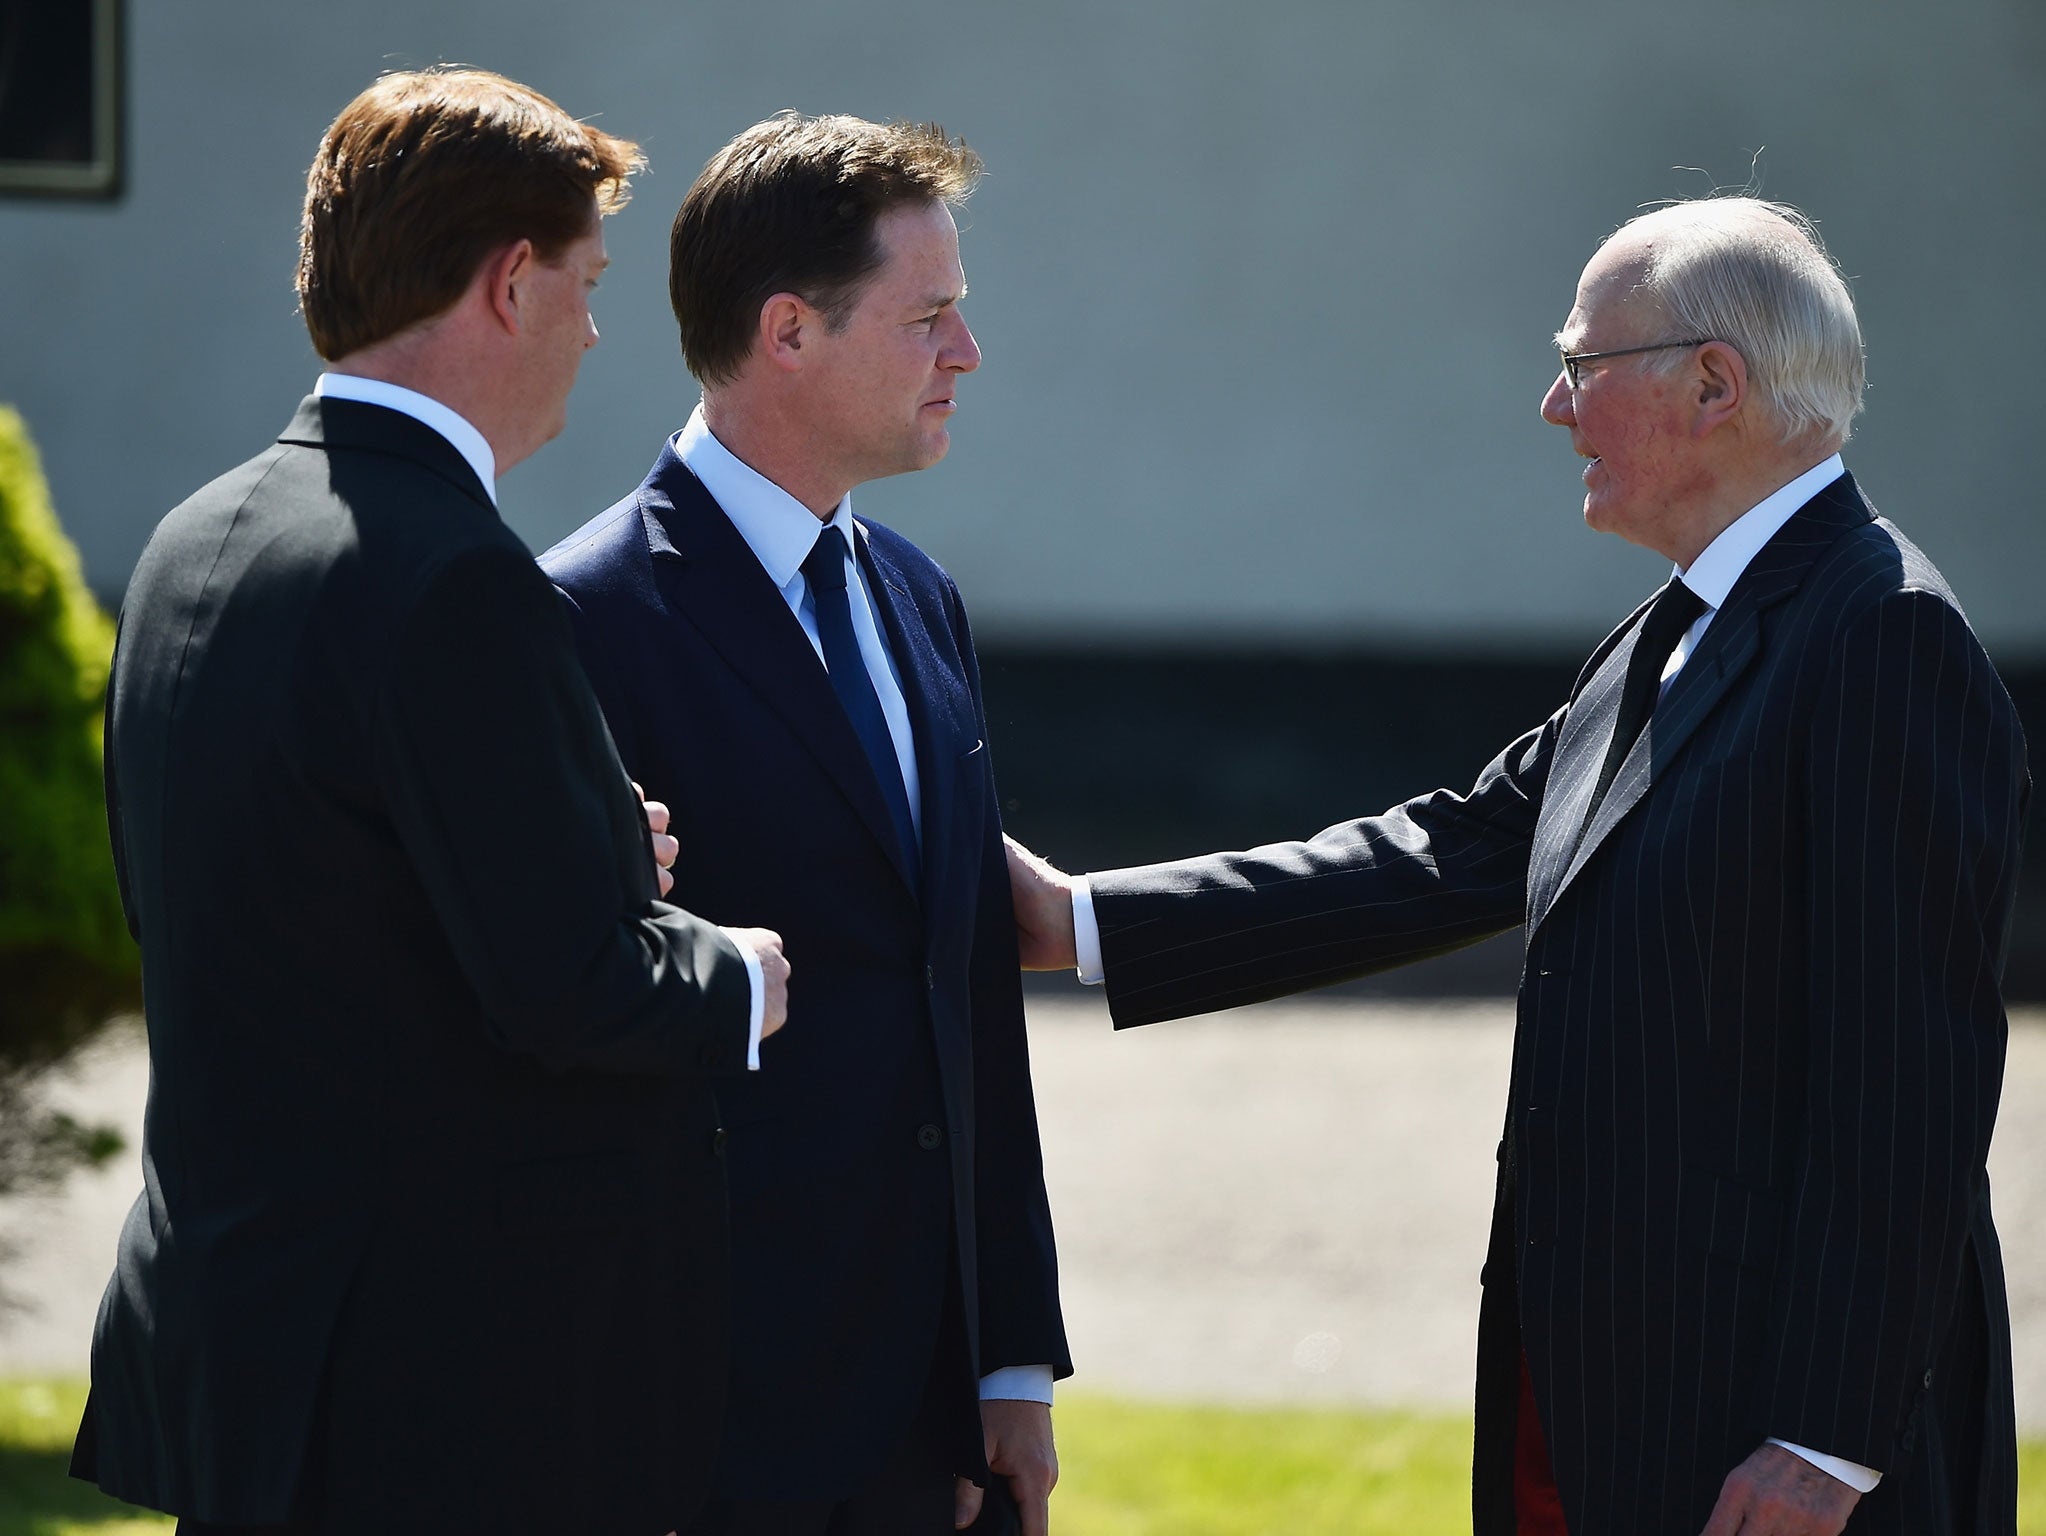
column 432, row 1234
column 1759, row 1046
column 889, row 1146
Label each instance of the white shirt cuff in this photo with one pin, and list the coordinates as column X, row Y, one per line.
column 757, row 1006
column 1019, row 1383
column 1086, row 936
column 1861, row 1479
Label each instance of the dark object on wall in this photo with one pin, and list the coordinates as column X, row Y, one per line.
column 60, row 97
column 66, row 961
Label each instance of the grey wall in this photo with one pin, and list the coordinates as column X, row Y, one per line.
column 1264, row 290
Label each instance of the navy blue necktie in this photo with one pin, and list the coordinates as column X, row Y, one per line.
column 824, row 569
column 1676, row 609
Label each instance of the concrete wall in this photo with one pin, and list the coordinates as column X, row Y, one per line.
column 1265, row 290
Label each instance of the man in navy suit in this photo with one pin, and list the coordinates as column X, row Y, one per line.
column 1743, row 1274
column 800, row 687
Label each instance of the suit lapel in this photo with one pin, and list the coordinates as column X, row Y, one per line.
column 710, row 580
column 929, row 688
column 1563, row 843
column 1580, row 752
column 1727, row 650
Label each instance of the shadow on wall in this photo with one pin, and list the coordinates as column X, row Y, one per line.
column 1112, row 758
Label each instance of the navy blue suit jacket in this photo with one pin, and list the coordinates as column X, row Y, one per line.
column 888, row 1149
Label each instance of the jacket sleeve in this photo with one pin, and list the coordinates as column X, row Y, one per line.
column 1425, row 878
column 509, row 798
column 110, row 778
column 592, row 646
column 1915, row 785
column 1017, row 1261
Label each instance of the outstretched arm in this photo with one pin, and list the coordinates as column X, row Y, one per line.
column 1424, row 878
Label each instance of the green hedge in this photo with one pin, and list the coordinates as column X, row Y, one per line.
column 66, row 961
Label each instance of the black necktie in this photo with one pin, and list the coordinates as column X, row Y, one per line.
column 824, row 569
column 1675, row 609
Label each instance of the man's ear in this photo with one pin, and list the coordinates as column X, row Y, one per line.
column 1721, row 378
column 505, row 275
column 786, row 322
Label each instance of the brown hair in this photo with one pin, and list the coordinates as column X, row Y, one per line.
column 421, row 177
column 789, row 206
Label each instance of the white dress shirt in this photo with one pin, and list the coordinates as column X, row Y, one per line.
column 1713, row 574
column 1711, row 577
column 781, row 532
column 461, row 435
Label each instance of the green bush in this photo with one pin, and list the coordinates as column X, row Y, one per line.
column 66, row 961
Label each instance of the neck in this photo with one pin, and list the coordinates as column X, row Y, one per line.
column 441, row 371
column 1737, row 491
column 776, row 443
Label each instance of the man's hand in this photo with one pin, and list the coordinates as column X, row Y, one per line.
column 764, row 942
column 774, row 972
column 1778, row 1493
column 665, row 847
column 1018, row 1436
column 1044, row 910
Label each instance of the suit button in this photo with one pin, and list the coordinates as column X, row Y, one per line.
column 1928, row 1375
column 717, row 1142
column 930, row 978
column 929, row 1137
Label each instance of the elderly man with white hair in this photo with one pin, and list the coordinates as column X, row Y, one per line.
column 1743, row 1275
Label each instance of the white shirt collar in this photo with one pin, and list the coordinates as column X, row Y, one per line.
column 461, row 434
column 779, row 529
column 1714, row 572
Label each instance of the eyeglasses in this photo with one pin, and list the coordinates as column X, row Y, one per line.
column 1572, row 361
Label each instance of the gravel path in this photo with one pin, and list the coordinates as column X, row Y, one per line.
column 1284, row 1204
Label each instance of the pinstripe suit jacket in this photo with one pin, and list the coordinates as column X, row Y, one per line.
column 1759, row 1046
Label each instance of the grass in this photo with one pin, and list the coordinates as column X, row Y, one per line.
column 38, row 1496
column 1129, row 1469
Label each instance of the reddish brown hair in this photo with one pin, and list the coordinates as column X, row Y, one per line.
column 789, row 207
column 421, row 177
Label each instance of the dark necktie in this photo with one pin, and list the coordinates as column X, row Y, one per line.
column 824, row 569
column 1675, row 609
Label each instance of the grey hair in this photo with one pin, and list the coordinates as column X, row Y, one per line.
column 1756, row 276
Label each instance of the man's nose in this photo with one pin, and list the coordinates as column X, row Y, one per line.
column 962, row 353
column 1559, row 405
